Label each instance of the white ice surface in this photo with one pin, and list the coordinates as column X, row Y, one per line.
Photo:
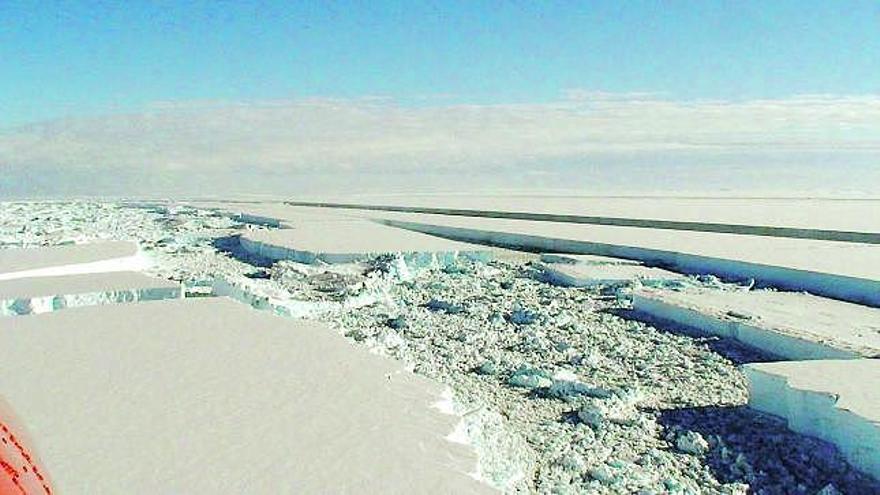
column 98, row 257
column 847, row 259
column 592, row 272
column 276, row 214
column 573, row 259
column 31, row 258
column 787, row 324
column 210, row 396
column 246, row 291
column 350, row 241
column 848, row 271
column 811, row 213
column 44, row 294
column 837, row 401
column 307, row 235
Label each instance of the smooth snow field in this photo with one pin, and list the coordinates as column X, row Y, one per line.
column 788, row 324
column 494, row 369
column 68, row 259
column 210, row 396
column 855, row 215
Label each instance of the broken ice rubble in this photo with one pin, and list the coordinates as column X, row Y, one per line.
column 558, row 392
column 46, row 304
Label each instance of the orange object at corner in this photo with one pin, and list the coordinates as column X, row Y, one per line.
column 20, row 472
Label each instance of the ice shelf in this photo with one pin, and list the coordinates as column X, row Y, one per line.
column 786, row 324
column 211, row 396
column 590, row 271
column 45, row 294
column 353, row 240
column 573, row 259
column 105, row 256
column 310, row 235
column 275, row 214
column 835, row 400
column 841, row 270
column 243, row 291
column 804, row 214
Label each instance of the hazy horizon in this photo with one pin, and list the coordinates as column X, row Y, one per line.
column 601, row 99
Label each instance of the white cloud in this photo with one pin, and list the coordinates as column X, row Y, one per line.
column 316, row 134
column 375, row 135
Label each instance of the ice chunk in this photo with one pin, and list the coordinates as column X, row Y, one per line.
column 46, row 294
column 530, row 378
column 692, row 443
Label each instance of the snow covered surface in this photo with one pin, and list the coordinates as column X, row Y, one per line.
column 210, row 396
column 44, row 294
column 47, row 261
column 366, row 241
column 309, row 235
column 275, row 214
column 348, row 241
column 787, row 324
column 858, row 215
column 573, row 259
column 835, row 400
column 594, row 271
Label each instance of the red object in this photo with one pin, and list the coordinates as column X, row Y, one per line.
column 20, row 472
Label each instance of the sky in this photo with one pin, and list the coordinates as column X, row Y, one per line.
column 380, row 92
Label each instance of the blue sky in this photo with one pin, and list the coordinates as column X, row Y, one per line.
column 62, row 59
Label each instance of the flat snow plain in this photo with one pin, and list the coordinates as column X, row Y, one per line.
column 210, row 396
column 828, row 328
column 809, row 213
